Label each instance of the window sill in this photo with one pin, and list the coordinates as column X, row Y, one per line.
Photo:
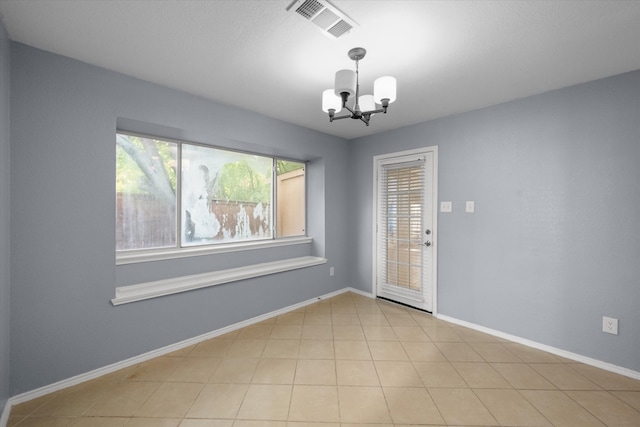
column 143, row 291
column 133, row 257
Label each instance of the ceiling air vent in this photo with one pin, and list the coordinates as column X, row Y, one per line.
column 326, row 16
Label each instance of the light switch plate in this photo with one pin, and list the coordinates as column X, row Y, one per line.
column 446, row 206
column 470, row 206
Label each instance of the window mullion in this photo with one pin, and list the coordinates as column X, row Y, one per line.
column 274, row 198
column 179, row 233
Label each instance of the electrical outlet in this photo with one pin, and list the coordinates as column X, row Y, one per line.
column 610, row 325
column 331, row 271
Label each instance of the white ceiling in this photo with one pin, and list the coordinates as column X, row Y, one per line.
column 448, row 56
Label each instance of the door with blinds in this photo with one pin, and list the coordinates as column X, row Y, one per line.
column 405, row 211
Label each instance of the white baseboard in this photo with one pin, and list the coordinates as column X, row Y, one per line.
column 69, row 382
column 359, row 292
column 558, row 352
column 533, row 344
column 4, row 416
column 33, row 394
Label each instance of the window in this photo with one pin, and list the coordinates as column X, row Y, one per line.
column 401, row 190
column 145, row 193
column 226, row 195
column 176, row 195
column 291, row 198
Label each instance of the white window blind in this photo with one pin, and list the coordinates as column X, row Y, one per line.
column 400, row 217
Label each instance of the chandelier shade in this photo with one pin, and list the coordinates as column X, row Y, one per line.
column 345, row 82
column 384, row 88
column 330, row 101
column 366, row 103
column 347, row 85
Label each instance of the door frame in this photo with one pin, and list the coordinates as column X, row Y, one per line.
column 434, row 204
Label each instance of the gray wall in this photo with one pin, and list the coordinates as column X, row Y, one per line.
column 5, row 276
column 553, row 245
column 63, row 120
column 555, row 241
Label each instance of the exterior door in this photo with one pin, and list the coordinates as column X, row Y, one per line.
column 405, row 227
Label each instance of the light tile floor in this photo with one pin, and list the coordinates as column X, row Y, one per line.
column 342, row 362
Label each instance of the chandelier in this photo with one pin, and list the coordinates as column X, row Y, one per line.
column 364, row 106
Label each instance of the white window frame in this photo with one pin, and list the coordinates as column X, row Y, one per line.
column 133, row 256
column 147, row 255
